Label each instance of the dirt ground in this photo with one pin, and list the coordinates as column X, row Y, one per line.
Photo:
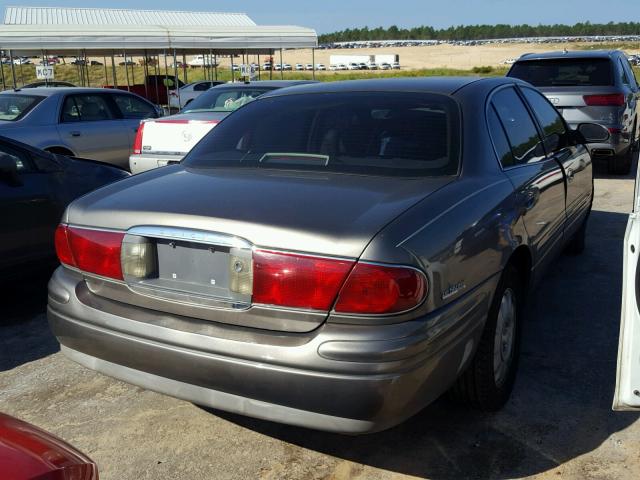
column 436, row 56
column 558, row 423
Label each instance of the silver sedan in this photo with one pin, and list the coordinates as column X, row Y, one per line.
column 94, row 123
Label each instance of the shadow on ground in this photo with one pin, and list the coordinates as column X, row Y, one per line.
column 561, row 406
column 24, row 332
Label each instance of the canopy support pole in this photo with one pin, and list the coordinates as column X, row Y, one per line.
column 126, row 69
column 232, row 72
column 4, row 82
column 166, row 78
column 156, row 68
column 281, row 66
column 259, row 68
column 106, row 73
column 86, row 68
column 146, row 75
column 79, row 68
column 184, row 68
column 215, row 66
column 13, row 69
column 313, row 63
column 271, row 64
column 175, row 78
column 113, row 71
column 44, row 62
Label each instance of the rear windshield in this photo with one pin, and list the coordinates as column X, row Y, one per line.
column 14, row 107
column 224, row 99
column 588, row 72
column 377, row 133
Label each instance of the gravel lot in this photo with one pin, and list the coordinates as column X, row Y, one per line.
column 558, row 423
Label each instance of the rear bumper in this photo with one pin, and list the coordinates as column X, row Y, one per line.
column 142, row 163
column 385, row 375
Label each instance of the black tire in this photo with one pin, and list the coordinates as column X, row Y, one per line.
column 577, row 243
column 477, row 386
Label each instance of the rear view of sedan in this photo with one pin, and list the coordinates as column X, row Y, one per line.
column 335, row 256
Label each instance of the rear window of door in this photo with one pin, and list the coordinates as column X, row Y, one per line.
column 550, row 121
column 133, row 108
column 520, row 128
column 564, row 72
column 86, row 108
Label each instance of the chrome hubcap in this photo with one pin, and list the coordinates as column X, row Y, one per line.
column 504, row 340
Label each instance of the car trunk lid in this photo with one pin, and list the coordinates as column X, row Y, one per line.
column 201, row 222
column 177, row 134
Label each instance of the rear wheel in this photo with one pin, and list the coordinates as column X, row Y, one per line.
column 488, row 381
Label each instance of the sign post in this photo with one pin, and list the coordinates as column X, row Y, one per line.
column 44, row 72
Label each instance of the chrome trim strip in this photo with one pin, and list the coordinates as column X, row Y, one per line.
column 190, row 235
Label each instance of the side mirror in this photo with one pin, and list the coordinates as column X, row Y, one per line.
column 593, row 132
column 9, row 170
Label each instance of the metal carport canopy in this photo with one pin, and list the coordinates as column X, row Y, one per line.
column 105, row 39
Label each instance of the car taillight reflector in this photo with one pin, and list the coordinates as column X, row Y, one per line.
column 137, row 143
column 297, row 281
column 92, row 251
column 380, row 289
column 63, row 249
column 608, row 100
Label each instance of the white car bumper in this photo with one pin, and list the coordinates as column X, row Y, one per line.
column 142, row 163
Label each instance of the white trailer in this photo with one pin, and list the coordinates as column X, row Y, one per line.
column 347, row 59
column 388, row 58
column 368, row 59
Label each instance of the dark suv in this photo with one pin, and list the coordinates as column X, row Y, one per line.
column 594, row 86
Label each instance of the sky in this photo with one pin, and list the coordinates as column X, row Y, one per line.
column 331, row 15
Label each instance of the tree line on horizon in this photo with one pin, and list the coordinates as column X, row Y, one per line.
column 481, row 32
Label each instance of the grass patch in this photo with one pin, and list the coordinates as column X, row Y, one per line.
column 98, row 78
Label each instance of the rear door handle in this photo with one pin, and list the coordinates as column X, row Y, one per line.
column 75, row 133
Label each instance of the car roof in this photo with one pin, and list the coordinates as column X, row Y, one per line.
column 48, row 92
column 442, row 85
column 569, row 54
column 266, row 83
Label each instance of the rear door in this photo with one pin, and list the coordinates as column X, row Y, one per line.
column 91, row 126
column 627, row 393
column 30, row 213
column 132, row 109
column 575, row 159
column 537, row 178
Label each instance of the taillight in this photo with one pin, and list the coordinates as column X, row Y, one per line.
column 297, row 281
column 92, row 251
column 63, row 249
column 137, row 143
column 301, row 281
column 607, row 100
column 380, row 289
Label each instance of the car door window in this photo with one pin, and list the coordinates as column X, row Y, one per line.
column 550, row 121
column 499, row 137
column 627, row 68
column 86, row 108
column 525, row 142
column 200, row 87
column 624, row 78
column 133, row 108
